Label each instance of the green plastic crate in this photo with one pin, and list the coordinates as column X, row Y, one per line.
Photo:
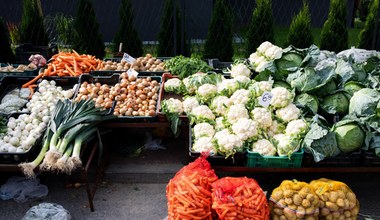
column 256, row 160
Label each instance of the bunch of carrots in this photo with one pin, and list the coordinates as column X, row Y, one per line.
column 239, row 198
column 66, row 64
column 189, row 192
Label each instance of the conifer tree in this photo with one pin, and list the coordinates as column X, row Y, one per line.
column 260, row 27
column 32, row 24
column 88, row 39
column 219, row 36
column 300, row 34
column 127, row 34
column 167, row 32
column 6, row 53
column 367, row 34
column 334, row 36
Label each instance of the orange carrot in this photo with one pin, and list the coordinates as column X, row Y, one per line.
column 40, row 75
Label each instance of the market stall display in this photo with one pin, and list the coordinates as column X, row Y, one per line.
column 147, row 63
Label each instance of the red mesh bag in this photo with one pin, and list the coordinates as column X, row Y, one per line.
column 189, row 192
column 239, row 198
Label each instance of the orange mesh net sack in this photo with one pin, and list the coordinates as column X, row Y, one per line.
column 294, row 200
column 239, row 198
column 189, row 192
column 337, row 201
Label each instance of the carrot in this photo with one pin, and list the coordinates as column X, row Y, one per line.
column 40, row 75
column 31, row 88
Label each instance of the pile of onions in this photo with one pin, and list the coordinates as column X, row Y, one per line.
column 100, row 94
column 135, row 96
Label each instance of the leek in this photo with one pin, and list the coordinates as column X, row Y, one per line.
column 78, row 145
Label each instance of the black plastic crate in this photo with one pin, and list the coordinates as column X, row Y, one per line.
column 24, row 51
column 15, row 158
column 353, row 159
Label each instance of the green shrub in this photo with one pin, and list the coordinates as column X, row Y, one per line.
column 64, row 26
column 300, row 29
column 219, row 36
column 6, row 54
column 32, row 24
column 334, row 36
column 167, row 32
column 127, row 33
column 260, row 27
column 367, row 34
column 364, row 8
column 88, row 40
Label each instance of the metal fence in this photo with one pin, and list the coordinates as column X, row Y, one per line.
column 195, row 17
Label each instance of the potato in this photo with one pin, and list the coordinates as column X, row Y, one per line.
column 300, row 212
column 336, row 214
column 278, row 211
column 341, row 194
column 351, row 196
column 288, row 193
column 325, row 211
column 290, row 214
column 333, row 196
column 347, row 214
column 282, row 217
column 297, row 199
column 340, row 202
column 306, row 203
column 288, row 201
column 332, row 206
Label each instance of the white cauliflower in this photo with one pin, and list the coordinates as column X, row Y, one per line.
column 235, row 112
column 220, row 105
column 264, row 47
column 240, row 70
column 172, row 106
column 243, row 81
column 228, row 144
column 263, row 147
column 288, row 113
column 273, row 53
column 219, row 124
column 206, row 92
column 203, row 130
column 245, row 128
column 241, row 96
column 258, row 88
column 275, row 128
column 190, row 89
column 189, row 103
column 255, row 58
column 201, row 114
column 281, row 97
column 262, row 66
column 286, row 145
column 228, row 86
column 174, row 85
column 296, row 127
column 205, row 144
column 262, row 116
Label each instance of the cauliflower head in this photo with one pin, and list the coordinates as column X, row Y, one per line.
column 172, row 106
column 275, row 128
column 206, row 92
column 281, row 97
column 245, row 129
column 273, row 53
column 228, row 86
column 288, row 113
column 228, row 144
column 205, row 144
column 240, row 69
column 262, row 116
column 201, row 114
column 203, row 130
column 243, row 81
column 241, row 96
column 174, row 85
column 235, row 112
column 190, row 88
column 264, row 47
column 286, row 145
column 296, row 127
column 220, row 105
column 189, row 103
column 263, row 147
column 219, row 123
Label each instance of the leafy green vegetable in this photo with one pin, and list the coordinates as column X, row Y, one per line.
column 3, row 124
column 352, row 87
column 348, row 70
column 364, row 102
column 350, row 137
column 320, row 141
column 335, row 104
column 307, row 102
column 328, row 88
column 184, row 66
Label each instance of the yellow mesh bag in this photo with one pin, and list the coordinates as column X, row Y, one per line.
column 294, row 200
column 337, row 201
